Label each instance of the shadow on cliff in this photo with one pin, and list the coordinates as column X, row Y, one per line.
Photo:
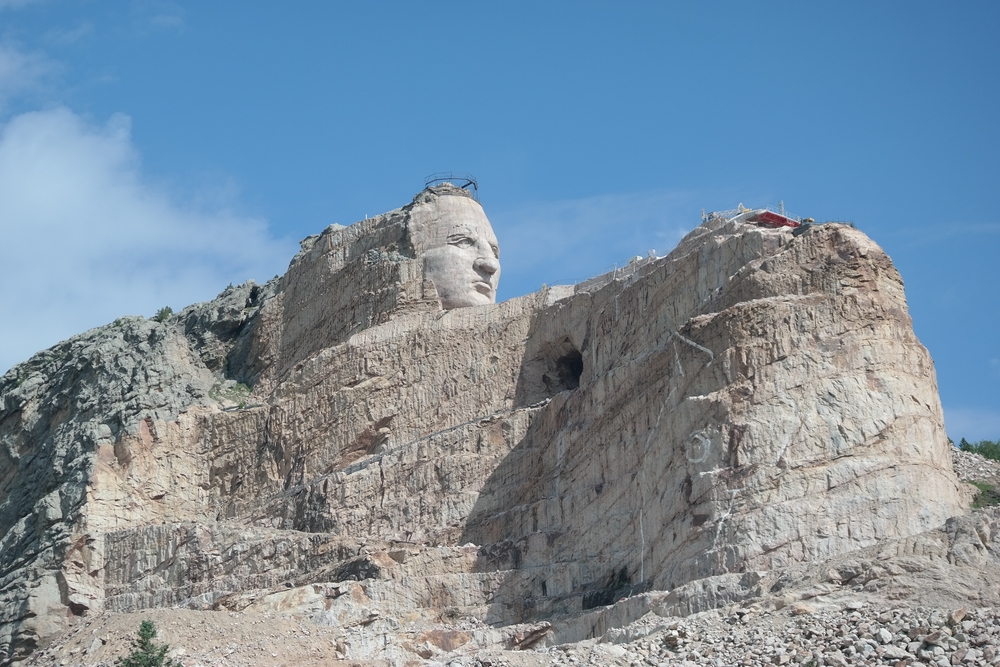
column 517, row 512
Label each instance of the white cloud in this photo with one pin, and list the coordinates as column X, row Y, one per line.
column 64, row 36
column 21, row 72
column 973, row 424
column 158, row 14
column 86, row 239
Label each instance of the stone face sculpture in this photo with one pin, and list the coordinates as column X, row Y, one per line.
column 461, row 255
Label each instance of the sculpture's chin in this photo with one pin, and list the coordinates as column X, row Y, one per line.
column 471, row 298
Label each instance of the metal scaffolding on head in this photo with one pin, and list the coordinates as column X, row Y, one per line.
column 465, row 181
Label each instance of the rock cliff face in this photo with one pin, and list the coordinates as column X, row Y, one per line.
column 335, row 443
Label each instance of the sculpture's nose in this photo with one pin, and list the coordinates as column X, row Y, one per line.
column 487, row 265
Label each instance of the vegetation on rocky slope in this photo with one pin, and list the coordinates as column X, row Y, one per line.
column 145, row 653
column 989, row 449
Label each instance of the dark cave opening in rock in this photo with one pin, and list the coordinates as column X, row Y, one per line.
column 569, row 368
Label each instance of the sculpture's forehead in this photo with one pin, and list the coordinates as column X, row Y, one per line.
column 473, row 228
column 433, row 222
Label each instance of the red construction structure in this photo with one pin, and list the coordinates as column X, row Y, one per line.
column 759, row 216
column 772, row 219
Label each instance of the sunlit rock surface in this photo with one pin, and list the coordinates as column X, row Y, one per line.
column 338, row 445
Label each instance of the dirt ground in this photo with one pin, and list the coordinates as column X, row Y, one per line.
column 260, row 639
column 227, row 639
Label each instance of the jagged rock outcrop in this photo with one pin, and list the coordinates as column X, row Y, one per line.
column 754, row 400
column 77, row 427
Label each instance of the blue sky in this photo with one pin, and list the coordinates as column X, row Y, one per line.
column 153, row 152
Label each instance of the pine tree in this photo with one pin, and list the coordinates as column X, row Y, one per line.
column 985, row 448
column 145, row 653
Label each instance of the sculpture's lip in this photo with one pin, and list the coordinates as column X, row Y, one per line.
column 483, row 287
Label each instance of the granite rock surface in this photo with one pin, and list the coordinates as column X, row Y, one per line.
column 336, row 446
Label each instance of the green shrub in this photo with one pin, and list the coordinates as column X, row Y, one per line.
column 145, row 653
column 988, row 495
column 986, row 448
column 238, row 393
column 163, row 313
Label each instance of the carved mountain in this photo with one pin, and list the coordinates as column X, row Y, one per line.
column 335, row 445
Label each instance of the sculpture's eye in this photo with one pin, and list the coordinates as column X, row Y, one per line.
column 462, row 241
column 496, row 250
